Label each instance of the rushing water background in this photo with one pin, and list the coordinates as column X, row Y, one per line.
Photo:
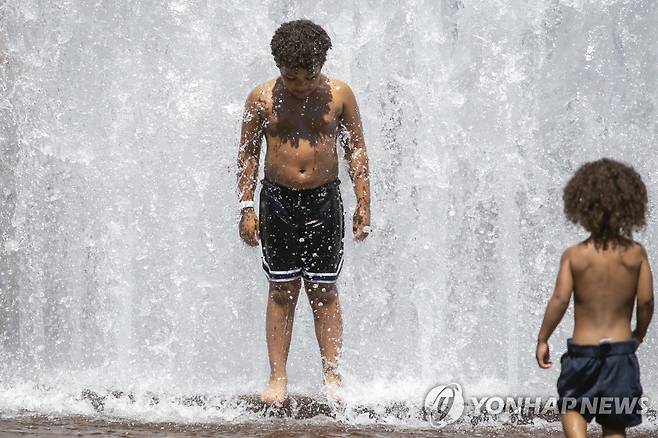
column 121, row 266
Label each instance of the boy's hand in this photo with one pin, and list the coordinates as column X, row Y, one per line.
column 249, row 227
column 360, row 221
column 543, row 355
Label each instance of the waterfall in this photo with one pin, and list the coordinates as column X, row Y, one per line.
column 121, row 268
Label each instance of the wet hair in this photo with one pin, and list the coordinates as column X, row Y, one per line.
column 300, row 44
column 608, row 199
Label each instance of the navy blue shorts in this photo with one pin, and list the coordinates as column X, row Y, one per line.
column 301, row 232
column 603, row 382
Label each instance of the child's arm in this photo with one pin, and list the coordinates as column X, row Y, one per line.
column 555, row 309
column 644, row 299
column 248, row 156
column 357, row 158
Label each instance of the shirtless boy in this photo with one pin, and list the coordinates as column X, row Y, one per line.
column 607, row 274
column 301, row 114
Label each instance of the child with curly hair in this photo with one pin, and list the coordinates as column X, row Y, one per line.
column 301, row 114
column 607, row 273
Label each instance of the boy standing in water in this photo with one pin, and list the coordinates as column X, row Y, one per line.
column 607, row 273
column 301, row 114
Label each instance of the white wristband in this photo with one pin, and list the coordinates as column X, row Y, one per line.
column 246, row 204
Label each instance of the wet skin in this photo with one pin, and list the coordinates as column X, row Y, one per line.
column 301, row 114
column 605, row 283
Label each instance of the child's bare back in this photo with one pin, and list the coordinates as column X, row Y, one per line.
column 607, row 274
column 606, row 282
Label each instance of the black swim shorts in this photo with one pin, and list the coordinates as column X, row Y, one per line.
column 301, row 232
column 603, row 382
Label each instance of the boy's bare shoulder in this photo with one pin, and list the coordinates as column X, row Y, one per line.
column 631, row 254
column 637, row 251
column 342, row 95
column 263, row 91
column 340, row 88
column 576, row 256
column 261, row 95
column 573, row 251
column 639, row 247
column 337, row 84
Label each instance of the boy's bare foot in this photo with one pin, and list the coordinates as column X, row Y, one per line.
column 334, row 386
column 275, row 393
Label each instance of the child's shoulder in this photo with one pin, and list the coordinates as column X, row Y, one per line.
column 262, row 90
column 572, row 253
column 260, row 97
column 629, row 249
column 337, row 83
column 639, row 250
column 340, row 88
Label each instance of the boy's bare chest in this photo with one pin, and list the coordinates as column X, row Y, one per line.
column 322, row 123
column 311, row 121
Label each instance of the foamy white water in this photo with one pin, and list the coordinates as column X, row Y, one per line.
column 120, row 265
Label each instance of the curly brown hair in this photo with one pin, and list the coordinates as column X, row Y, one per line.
column 608, row 199
column 300, row 44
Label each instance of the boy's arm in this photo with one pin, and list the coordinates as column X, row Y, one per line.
column 357, row 158
column 644, row 299
column 555, row 309
column 248, row 156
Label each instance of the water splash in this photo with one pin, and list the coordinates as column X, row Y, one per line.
column 120, row 256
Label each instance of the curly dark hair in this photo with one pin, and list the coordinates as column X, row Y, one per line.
column 300, row 44
column 608, row 199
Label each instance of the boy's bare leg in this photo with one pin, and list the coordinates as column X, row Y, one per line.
column 323, row 298
column 613, row 433
column 574, row 425
column 278, row 325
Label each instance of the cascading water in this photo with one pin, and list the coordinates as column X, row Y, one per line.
column 121, row 267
